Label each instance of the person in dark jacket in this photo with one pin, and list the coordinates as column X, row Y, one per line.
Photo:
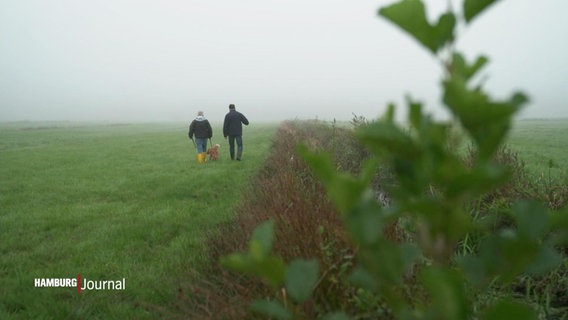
column 202, row 130
column 232, row 128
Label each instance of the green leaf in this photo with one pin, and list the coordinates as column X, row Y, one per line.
column 336, row 316
column 388, row 261
column 505, row 309
column 319, row 163
column 301, row 277
column 472, row 8
column 447, row 291
column 256, row 250
column 475, row 270
column 365, row 222
column 559, row 223
column 409, row 253
column 518, row 99
column 508, row 255
column 237, row 261
column 410, row 16
column 343, row 189
column 346, row 192
column 262, row 239
column 415, row 115
column 482, row 178
column 546, row 260
column 389, row 114
column 383, row 137
column 460, row 66
column 486, row 121
column 271, row 270
column 271, row 309
column 363, row 278
column 258, row 261
column 532, row 219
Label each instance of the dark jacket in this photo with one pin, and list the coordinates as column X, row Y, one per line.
column 201, row 128
column 233, row 123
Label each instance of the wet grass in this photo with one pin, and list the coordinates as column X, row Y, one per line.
column 109, row 202
column 543, row 146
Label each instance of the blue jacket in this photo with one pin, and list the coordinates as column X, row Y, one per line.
column 232, row 126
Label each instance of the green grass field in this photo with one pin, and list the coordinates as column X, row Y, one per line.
column 109, row 202
column 541, row 141
column 129, row 201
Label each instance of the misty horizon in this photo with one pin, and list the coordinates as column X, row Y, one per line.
column 125, row 61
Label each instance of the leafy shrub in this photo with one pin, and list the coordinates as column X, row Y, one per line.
column 424, row 277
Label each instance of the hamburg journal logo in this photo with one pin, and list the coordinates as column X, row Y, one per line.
column 81, row 284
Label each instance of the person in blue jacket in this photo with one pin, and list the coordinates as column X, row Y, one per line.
column 233, row 129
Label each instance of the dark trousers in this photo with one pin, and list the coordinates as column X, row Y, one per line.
column 239, row 146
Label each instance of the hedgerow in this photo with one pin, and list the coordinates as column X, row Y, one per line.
column 452, row 261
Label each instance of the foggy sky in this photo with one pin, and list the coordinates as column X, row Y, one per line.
column 142, row 60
